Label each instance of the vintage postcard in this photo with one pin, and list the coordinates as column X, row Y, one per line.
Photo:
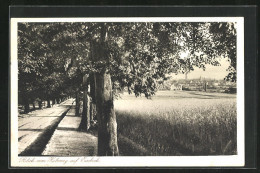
column 127, row 92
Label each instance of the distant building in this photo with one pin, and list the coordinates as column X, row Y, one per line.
column 215, row 84
column 176, row 87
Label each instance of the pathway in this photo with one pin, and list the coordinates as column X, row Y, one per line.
column 68, row 141
column 38, row 124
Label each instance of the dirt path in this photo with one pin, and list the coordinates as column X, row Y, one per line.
column 35, row 127
column 68, row 141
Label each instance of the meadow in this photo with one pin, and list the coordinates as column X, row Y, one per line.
column 174, row 123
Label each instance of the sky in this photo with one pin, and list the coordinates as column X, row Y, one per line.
column 213, row 72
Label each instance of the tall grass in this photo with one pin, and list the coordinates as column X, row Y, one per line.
column 188, row 126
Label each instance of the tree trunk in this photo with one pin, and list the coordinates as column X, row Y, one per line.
column 85, row 119
column 53, row 102
column 92, row 110
column 107, row 126
column 49, row 103
column 93, row 98
column 40, row 104
column 33, row 105
column 77, row 104
column 26, row 106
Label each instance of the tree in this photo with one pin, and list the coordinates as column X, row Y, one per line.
column 133, row 56
column 41, row 63
column 29, row 62
column 136, row 55
column 224, row 39
column 85, row 120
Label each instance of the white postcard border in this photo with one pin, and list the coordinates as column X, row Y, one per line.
column 123, row 161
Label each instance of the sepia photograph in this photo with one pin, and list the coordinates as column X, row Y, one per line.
column 93, row 92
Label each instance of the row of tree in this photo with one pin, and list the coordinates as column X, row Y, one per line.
column 94, row 60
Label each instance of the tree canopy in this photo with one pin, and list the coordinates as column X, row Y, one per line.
column 136, row 54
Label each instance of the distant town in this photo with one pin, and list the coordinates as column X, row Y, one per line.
column 199, row 84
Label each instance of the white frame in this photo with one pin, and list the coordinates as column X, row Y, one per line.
column 139, row 161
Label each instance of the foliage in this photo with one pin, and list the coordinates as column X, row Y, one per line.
column 224, row 39
column 137, row 55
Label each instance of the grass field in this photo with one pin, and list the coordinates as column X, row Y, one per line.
column 178, row 123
